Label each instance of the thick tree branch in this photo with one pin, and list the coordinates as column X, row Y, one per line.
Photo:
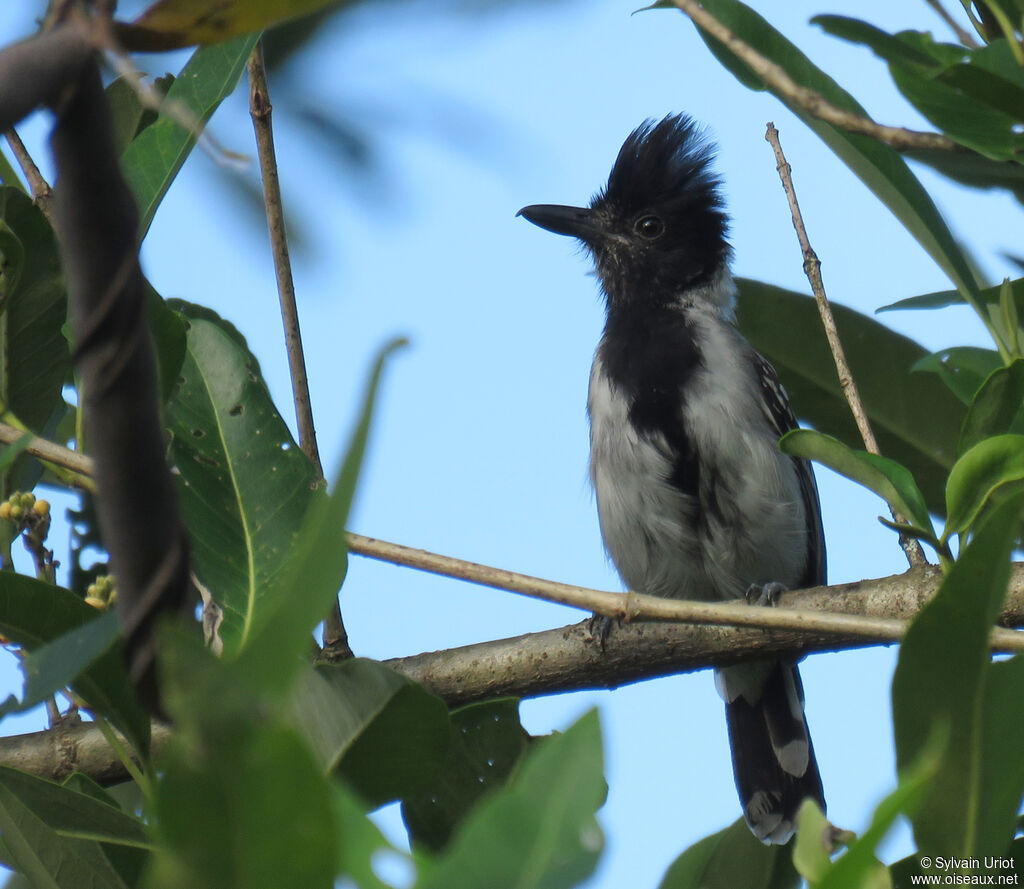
column 571, row 659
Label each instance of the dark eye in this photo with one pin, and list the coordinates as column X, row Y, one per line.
column 649, row 227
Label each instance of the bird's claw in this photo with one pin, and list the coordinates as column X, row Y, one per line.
column 764, row 594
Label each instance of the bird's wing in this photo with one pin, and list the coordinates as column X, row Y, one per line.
column 779, row 413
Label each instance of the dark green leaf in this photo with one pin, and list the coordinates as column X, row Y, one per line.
column 962, row 368
column 316, row 565
column 915, row 418
column 730, row 858
column 169, row 341
column 998, row 407
column 972, row 169
column 890, row 481
column 993, row 467
column 245, row 485
column 877, row 165
column 33, row 613
column 888, row 47
column 945, row 682
column 487, row 743
column 129, row 114
column 540, row 830
column 383, row 732
column 36, row 359
column 12, row 259
column 153, row 159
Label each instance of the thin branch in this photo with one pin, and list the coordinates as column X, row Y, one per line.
column 564, row 659
column 58, row 455
column 335, row 636
column 963, row 35
column 806, row 99
column 636, row 607
column 812, row 268
column 41, row 194
column 260, row 109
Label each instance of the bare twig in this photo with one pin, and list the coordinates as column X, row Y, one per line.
column 812, row 268
column 807, row 99
column 41, row 194
column 261, row 109
column 335, row 637
column 962, row 34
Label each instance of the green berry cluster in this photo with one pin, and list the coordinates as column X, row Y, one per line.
column 102, row 592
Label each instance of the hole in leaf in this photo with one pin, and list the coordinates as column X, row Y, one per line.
column 236, row 410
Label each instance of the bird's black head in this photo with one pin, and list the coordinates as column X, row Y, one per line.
column 658, row 227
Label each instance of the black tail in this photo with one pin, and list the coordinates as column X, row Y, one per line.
column 772, row 754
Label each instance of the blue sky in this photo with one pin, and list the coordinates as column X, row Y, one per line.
column 480, row 446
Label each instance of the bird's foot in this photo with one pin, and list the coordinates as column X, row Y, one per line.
column 600, row 628
column 765, row 594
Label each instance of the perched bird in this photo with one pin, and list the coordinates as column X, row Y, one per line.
column 695, row 499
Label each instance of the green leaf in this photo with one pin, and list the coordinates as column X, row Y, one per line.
column 316, row 565
column 998, row 407
column 811, row 850
column 859, row 867
column 877, row 165
column 540, row 830
column 153, row 159
column 487, row 743
column 969, row 103
column 730, row 858
column 945, row 682
column 60, row 836
column 245, row 485
column 33, row 613
column 130, row 116
column 173, row 24
column 915, row 418
column 241, row 802
column 361, row 842
column 993, row 467
column 35, row 356
column 48, row 860
column 974, row 170
column 890, row 481
column 962, row 368
column 58, row 664
column 382, row 732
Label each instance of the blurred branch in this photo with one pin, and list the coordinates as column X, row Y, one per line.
column 81, row 465
column 572, row 659
column 41, row 194
column 963, row 35
column 137, row 502
column 812, row 268
column 808, row 100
